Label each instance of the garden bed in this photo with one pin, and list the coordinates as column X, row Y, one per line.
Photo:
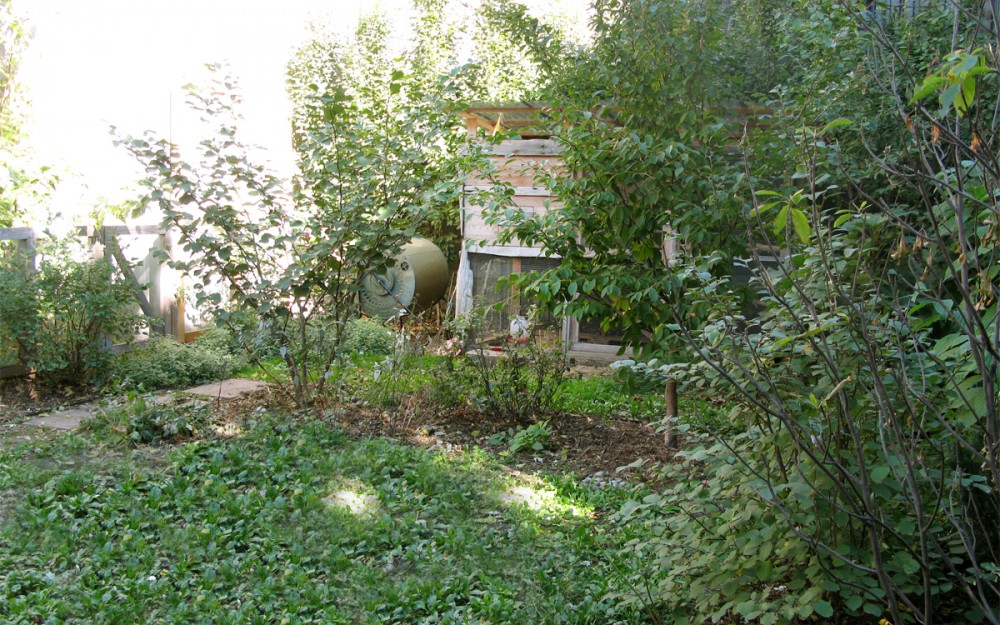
column 578, row 443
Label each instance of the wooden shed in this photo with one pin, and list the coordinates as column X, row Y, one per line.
column 523, row 162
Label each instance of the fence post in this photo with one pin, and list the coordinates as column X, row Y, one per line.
column 25, row 257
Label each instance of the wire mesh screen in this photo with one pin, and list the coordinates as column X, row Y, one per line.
column 487, row 272
column 543, row 318
column 591, row 332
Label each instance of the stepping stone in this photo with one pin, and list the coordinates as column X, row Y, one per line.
column 175, row 399
column 227, row 389
column 64, row 420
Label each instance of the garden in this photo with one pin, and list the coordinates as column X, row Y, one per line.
column 788, row 213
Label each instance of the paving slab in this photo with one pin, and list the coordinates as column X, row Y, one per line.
column 176, row 399
column 227, row 389
column 65, row 420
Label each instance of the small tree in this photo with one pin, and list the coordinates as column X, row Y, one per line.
column 868, row 381
column 60, row 318
column 294, row 259
column 646, row 170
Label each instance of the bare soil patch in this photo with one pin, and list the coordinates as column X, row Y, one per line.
column 579, row 444
column 22, row 398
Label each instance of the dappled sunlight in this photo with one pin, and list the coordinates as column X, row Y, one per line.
column 229, row 430
column 352, row 499
column 543, row 500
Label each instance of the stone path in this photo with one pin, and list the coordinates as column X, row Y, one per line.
column 70, row 419
column 65, row 420
column 227, row 389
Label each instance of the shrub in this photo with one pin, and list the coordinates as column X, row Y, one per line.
column 143, row 420
column 60, row 316
column 164, row 363
column 535, row 437
column 520, row 381
column 722, row 549
column 369, row 336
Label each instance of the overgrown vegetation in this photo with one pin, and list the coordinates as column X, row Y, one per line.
column 519, row 379
column 164, row 363
column 61, row 318
column 147, row 419
column 854, row 473
column 865, row 485
column 369, row 336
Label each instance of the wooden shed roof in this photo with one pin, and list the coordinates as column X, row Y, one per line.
column 526, row 117
column 523, row 117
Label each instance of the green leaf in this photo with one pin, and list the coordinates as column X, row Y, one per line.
column 947, row 98
column 765, row 570
column 802, row 227
column 823, row 608
column 842, row 219
column 968, row 96
column 879, row 473
column 931, row 84
column 781, row 221
column 968, row 63
column 840, row 122
column 874, row 609
column 763, row 208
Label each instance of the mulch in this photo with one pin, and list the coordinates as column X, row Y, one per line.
column 579, row 444
column 23, row 398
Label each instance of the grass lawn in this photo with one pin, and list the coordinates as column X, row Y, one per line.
column 295, row 523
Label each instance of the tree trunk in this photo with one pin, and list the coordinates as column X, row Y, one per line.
column 670, row 438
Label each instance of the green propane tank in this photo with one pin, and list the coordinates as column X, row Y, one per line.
column 417, row 280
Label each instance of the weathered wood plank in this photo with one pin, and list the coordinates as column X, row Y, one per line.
column 527, row 147
column 134, row 229
column 525, row 191
column 111, row 243
column 511, row 250
column 16, row 234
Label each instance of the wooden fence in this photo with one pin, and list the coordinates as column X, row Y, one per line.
column 136, row 251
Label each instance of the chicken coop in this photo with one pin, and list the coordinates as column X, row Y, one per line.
column 523, row 161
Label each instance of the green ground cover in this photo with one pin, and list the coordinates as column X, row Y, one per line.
column 295, row 523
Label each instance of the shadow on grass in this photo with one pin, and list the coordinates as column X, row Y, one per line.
column 294, row 523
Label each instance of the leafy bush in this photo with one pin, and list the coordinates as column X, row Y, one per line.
column 521, row 380
column 535, row 437
column 144, row 420
column 369, row 336
column 724, row 550
column 165, row 363
column 398, row 379
column 61, row 315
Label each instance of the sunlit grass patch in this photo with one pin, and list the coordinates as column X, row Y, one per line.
column 351, row 495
